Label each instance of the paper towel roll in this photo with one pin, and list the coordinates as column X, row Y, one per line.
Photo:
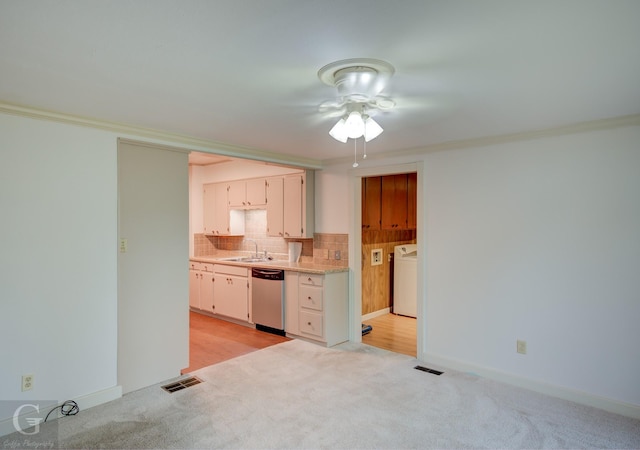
column 295, row 248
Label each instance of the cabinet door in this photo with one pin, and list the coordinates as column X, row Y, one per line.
column 209, row 207
column 394, row 202
column 412, row 200
column 221, row 214
column 206, row 291
column 292, row 199
column 231, row 295
column 256, row 192
column 275, row 207
column 237, row 194
column 194, row 288
column 371, row 198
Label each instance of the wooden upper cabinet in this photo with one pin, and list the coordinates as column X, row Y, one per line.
column 389, row 202
column 394, row 202
column 371, row 192
column 412, row 200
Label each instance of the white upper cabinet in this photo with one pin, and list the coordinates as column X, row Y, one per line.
column 256, row 192
column 288, row 199
column 246, row 194
column 275, row 206
column 290, row 205
column 209, row 208
column 293, row 209
column 237, row 192
column 218, row 219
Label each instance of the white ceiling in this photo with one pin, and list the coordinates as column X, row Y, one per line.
column 244, row 73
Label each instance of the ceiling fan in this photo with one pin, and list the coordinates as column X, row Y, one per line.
column 359, row 83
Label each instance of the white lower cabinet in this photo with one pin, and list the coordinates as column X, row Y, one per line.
column 317, row 306
column 231, row 291
column 200, row 286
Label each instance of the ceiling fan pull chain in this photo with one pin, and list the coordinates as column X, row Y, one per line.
column 364, row 141
column 355, row 153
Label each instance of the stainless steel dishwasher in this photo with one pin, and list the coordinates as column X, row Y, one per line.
column 267, row 300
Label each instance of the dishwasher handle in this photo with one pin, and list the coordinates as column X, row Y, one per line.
column 267, row 274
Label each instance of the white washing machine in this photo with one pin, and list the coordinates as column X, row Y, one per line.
column 405, row 280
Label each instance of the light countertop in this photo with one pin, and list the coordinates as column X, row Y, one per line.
column 305, row 267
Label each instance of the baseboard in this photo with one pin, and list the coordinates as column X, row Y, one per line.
column 380, row 312
column 584, row 398
column 84, row 402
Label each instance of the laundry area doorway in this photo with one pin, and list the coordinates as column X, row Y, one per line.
column 389, row 261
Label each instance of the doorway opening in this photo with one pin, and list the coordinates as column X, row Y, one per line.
column 389, row 261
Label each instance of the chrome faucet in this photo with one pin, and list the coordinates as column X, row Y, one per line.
column 254, row 243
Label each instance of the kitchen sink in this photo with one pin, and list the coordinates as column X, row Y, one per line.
column 244, row 259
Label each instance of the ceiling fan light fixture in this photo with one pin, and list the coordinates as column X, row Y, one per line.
column 354, row 125
column 359, row 83
column 371, row 129
column 339, row 131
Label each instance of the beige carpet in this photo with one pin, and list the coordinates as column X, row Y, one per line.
column 300, row 395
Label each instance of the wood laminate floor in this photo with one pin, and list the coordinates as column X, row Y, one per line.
column 213, row 340
column 392, row 332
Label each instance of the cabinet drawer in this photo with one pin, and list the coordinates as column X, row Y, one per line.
column 203, row 267
column 311, row 323
column 193, row 265
column 231, row 270
column 311, row 280
column 310, row 297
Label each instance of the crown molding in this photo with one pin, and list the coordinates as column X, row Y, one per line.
column 582, row 127
column 196, row 144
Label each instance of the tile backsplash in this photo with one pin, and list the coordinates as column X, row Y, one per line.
column 320, row 250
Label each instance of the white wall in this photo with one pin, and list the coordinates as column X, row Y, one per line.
column 153, row 280
column 333, row 211
column 58, row 198
column 539, row 241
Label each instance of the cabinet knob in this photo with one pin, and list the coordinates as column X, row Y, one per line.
column 309, row 323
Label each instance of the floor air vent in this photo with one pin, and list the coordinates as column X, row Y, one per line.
column 181, row 384
column 426, row 369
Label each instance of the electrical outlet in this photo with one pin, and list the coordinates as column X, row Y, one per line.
column 337, row 255
column 27, row 382
column 376, row 257
column 521, row 347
